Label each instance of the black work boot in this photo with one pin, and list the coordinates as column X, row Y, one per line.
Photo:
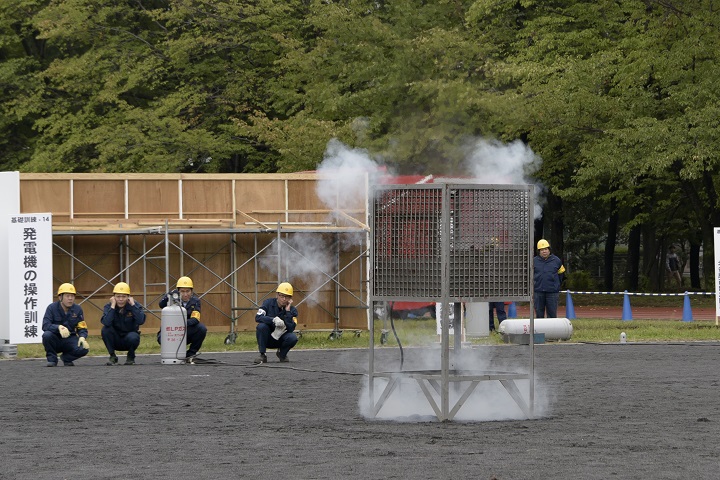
column 261, row 359
column 113, row 360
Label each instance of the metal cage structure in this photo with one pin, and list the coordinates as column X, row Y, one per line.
column 450, row 243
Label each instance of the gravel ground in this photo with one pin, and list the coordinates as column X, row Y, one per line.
column 647, row 411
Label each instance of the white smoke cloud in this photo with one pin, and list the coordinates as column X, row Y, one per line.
column 303, row 256
column 488, row 161
column 342, row 172
column 489, row 401
column 342, row 186
column 494, row 162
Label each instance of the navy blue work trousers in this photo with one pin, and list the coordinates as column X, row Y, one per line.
column 546, row 302
column 195, row 337
column 115, row 341
column 55, row 344
column 265, row 340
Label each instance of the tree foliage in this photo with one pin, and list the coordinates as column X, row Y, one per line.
column 618, row 98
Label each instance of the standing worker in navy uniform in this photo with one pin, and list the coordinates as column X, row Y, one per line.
column 548, row 273
column 121, row 320
column 195, row 331
column 64, row 329
column 276, row 322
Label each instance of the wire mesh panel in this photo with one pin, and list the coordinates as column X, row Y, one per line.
column 489, row 244
column 406, row 241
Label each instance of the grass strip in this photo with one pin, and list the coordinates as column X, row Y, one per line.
column 420, row 332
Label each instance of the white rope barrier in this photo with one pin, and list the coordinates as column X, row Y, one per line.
column 683, row 311
column 637, row 294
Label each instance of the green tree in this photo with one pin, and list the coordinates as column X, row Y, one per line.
column 403, row 79
column 149, row 85
column 618, row 98
column 22, row 56
column 622, row 101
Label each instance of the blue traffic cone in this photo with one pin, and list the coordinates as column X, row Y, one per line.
column 627, row 311
column 687, row 311
column 569, row 307
column 512, row 310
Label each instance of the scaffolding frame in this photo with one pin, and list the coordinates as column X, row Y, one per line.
column 442, row 242
column 166, row 244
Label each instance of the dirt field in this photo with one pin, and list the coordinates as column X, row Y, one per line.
column 605, row 411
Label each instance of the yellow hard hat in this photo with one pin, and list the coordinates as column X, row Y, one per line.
column 66, row 288
column 543, row 244
column 285, row 288
column 184, row 282
column 122, row 287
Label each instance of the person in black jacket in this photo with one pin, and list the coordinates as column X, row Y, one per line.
column 121, row 321
column 276, row 322
column 195, row 331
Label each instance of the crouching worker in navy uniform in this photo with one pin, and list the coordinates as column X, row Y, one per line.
column 276, row 322
column 64, row 329
column 195, row 331
column 121, row 320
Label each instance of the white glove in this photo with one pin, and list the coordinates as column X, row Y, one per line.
column 83, row 343
column 64, row 332
column 280, row 328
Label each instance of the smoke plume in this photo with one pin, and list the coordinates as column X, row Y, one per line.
column 493, row 162
column 342, row 173
column 488, row 401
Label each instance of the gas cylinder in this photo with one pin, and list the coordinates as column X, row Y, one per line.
column 553, row 328
column 173, row 339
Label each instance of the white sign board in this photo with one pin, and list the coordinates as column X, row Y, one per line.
column 717, row 273
column 29, row 260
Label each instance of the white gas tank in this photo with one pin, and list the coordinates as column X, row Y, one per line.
column 553, row 328
column 173, row 338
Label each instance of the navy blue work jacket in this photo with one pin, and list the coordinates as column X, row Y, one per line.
column 270, row 309
column 73, row 320
column 548, row 273
column 125, row 320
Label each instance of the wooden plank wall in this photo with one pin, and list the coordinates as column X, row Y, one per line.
column 93, row 203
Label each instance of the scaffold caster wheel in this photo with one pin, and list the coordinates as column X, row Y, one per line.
column 230, row 338
column 298, row 334
column 357, row 333
column 383, row 338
